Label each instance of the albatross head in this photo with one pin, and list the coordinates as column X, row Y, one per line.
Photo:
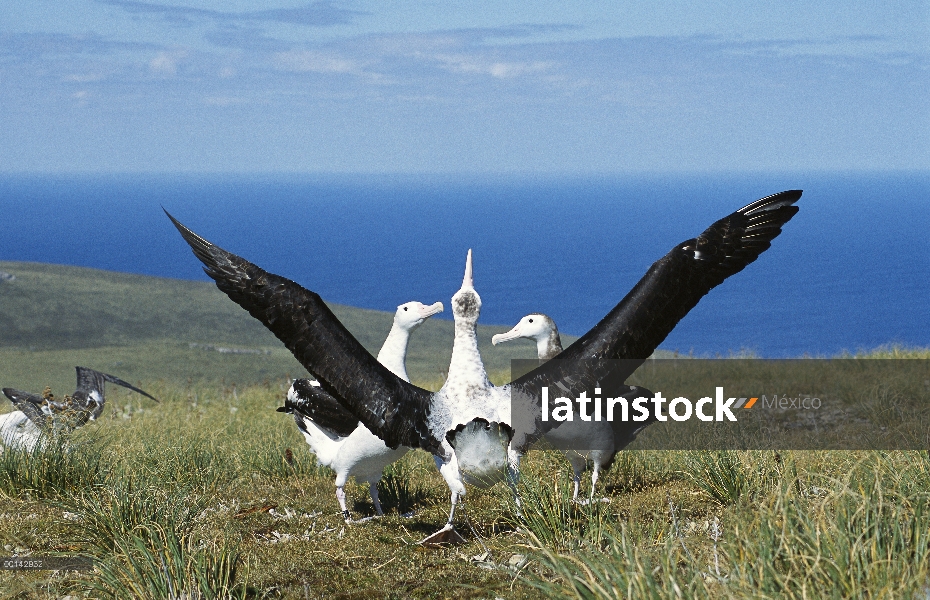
column 466, row 303
column 411, row 315
column 536, row 327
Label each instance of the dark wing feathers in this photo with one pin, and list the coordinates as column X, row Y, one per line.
column 29, row 404
column 307, row 400
column 119, row 381
column 89, row 380
column 391, row 408
column 676, row 282
column 669, row 289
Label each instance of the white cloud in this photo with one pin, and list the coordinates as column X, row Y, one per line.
column 498, row 69
column 84, row 78
column 165, row 64
column 309, row 61
column 224, row 101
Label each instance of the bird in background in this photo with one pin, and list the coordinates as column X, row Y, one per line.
column 50, row 415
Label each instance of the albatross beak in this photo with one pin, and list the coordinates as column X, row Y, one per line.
column 468, row 282
column 428, row 311
column 506, row 337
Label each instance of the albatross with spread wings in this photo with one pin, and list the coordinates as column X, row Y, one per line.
column 469, row 423
column 50, row 415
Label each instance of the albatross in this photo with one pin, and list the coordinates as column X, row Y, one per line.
column 17, row 432
column 50, row 415
column 334, row 435
column 477, row 429
column 578, row 440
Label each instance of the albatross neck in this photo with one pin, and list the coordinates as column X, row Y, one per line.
column 466, row 361
column 393, row 354
column 549, row 346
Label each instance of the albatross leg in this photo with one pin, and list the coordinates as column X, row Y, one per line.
column 341, row 497
column 513, row 477
column 373, row 489
column 594, row 473
column 446, row 535
column 578, row 462
column 450, row 472
column 454, row 499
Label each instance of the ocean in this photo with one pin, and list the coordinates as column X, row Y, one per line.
column 851, row 271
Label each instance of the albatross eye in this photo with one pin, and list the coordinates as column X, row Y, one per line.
column 405, row 308
column 531, row 320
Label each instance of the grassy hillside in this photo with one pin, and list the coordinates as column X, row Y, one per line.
column 55, row 317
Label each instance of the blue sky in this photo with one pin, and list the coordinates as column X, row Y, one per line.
column 469, row 86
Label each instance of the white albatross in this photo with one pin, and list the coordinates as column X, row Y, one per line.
column 334, row 435
column 579, row 441
column 17, row 432
column 469, row 422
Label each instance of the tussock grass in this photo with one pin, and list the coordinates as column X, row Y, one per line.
column 201, row 487
column 58, row 466
column 555, row 520
column 401, row 489
column 721, row 475
column 863, row 534
column 143, row 541
column 890, row 351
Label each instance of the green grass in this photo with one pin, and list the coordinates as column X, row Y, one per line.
column 213, row 494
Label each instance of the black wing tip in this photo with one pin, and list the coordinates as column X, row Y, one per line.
column 17, row 397
column 189, row 236
column 215, row 260
column 176, row 223
column 117, row 381
column 772, row 202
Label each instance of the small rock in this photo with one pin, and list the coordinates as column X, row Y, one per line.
column 483, row 561
column 517, row 561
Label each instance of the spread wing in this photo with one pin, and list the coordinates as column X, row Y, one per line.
column 30, row 405
column 391, row 408
column 89, row 380
column 305, row 399
column 614, row 348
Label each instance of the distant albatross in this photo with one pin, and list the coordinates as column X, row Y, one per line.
column 475, row 428
column 336, row 437
column 51, row 415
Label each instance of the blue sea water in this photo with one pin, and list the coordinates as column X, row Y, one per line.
column 850, row 271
